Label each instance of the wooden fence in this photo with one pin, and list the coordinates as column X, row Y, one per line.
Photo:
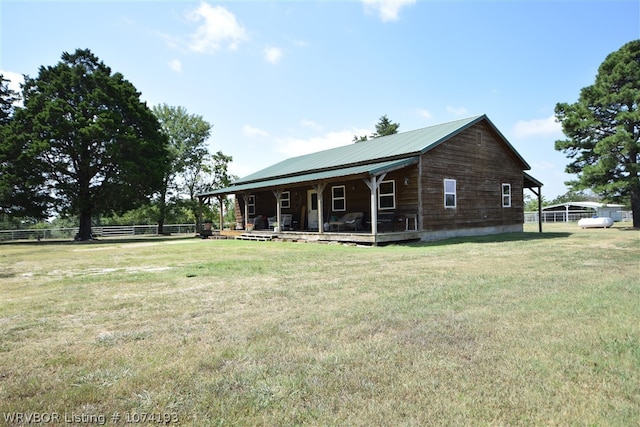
column 99, row 231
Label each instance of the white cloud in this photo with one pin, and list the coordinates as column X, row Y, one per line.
column 219, row 27
column 291, row 147
column 458, row 111
column 387, row 10
column 273, row 54
column 537, row 127
column 175, row 65
column 254, row 132
column 15, row 80
column 425, row 114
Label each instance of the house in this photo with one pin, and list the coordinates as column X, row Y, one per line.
column 454, row 179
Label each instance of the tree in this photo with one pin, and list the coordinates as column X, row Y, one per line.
column 8, row 99
column 98, row 147
column 187, row 154
column 21, row 193
column 384, row 127
column 214, row 174
column 603, row 130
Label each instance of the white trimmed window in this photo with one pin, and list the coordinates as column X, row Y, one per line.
column 506, row 195
column 387, row 195
column 285, row 200
column 338, row 198
column 450, row 193
column 251, row 205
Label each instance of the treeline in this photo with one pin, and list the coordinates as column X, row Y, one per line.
column 78, row 144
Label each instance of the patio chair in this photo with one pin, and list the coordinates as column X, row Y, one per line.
column 287, row 219
column 352, row 221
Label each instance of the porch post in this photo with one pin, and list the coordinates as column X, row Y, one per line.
column 319, row 188
column 278, row 195
column 199, row 218
column 539, row 194
column 373, row 185
column 221, row 201
column 245, row 197
column 539, row 209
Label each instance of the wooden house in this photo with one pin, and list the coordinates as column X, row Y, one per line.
column 454, row 179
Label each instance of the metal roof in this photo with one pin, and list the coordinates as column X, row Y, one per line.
column 530, row 181
column 396, row 145
column 368, row 169
column 592, row 205
column 340, row 159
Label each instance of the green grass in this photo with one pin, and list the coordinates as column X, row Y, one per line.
column 518, row 329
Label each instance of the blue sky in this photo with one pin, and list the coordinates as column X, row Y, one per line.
column 279, row 79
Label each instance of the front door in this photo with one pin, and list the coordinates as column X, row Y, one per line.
column 312, row 209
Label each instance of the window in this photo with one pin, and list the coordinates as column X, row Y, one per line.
column 387, row 195
column 479, row 138
column 251, row 205
column 506, row 195
column 285, row 200
column 449, row 193
column 338, row 198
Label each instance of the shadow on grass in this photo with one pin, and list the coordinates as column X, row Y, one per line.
column 493, row 238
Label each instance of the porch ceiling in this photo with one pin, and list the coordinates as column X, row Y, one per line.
column 530, row 182
column 371, row 169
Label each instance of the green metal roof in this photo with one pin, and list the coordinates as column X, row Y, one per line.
column 400, row 144
column 340, row 159
column 368, row 169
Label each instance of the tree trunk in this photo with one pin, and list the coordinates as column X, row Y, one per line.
column 84, row 231
column 635, row 206
column 162, row 209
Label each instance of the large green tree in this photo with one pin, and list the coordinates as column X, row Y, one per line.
column 98, row 147
column 21, row 193
column 603, row 131
column 188, row 153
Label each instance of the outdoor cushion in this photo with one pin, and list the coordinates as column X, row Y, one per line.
column 352, row 220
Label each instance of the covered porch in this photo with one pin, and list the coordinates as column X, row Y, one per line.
column 368, row 204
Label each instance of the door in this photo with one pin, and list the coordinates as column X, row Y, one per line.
column 312, row 209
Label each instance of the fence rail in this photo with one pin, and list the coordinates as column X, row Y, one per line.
column 572, row 216
column 100, row 231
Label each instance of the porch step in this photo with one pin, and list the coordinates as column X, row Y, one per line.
column 260, row 237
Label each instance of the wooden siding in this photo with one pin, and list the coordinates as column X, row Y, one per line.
column 479, row 166
column 357, row 198
column 479, row 171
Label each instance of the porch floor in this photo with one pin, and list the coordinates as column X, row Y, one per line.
column 358, row 237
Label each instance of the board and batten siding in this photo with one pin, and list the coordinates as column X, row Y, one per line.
column 480, row 167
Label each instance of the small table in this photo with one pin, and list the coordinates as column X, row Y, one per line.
column 335, row 225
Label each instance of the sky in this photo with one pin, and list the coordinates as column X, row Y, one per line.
column 277, row 79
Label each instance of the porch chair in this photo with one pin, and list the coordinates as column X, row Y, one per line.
column 352, row 220
column 287, row 219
